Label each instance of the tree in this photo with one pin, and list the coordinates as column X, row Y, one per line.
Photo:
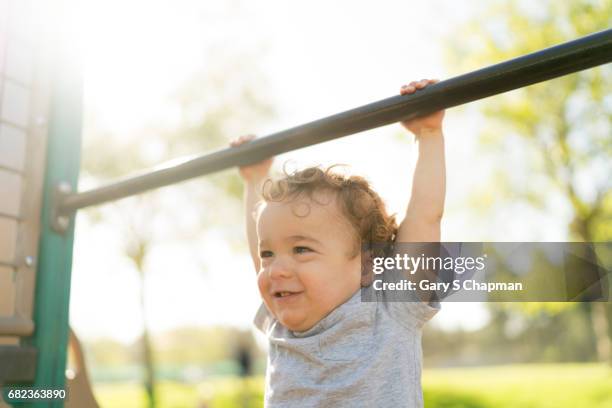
column 561, row 129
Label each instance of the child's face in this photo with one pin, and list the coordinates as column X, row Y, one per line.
column 306, row 266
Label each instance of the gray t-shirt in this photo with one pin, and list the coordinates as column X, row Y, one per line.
column 362, row 354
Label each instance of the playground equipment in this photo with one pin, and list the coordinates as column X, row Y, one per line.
column 40, row 122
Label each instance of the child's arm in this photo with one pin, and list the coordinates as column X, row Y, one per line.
column 253, row 177
column 426, row 206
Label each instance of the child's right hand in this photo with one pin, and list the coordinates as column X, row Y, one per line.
column 254, row 172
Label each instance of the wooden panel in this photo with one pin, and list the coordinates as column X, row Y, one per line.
column 7, row 291
column 15, row 104
column 16, row 326
column 12, row 147
column 9, row 340
column 24, row 94
column 10, row 191
column 34, row 172
column 8, row 239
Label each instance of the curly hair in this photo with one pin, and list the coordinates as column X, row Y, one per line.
column 362, row 207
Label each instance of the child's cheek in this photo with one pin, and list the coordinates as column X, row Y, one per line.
column 262, row 283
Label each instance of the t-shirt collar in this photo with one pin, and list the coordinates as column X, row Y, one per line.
column 332, row 318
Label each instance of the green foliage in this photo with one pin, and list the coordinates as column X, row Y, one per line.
column 550, row 142
column 108, row 353
column 202, row 345
column 560, row 129
column 181, row 347
column 516, row 333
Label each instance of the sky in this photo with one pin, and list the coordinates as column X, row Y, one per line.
column 319, row 58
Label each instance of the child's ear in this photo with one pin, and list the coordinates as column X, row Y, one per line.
column 367, row 275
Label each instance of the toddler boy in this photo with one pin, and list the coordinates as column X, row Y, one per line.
column 327, row 347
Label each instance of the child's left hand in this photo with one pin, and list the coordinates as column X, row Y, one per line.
column 431, row 123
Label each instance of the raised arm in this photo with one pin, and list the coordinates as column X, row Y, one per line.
column 426, row 206
column 253, row 177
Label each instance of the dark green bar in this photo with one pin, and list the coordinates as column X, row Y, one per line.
column 583, row 53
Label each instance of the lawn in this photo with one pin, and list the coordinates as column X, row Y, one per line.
column 524, row 386
column 512, row 386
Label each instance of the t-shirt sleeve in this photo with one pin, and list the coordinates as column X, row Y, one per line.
column 411, row 312
column 263, row 319
column 404, row 305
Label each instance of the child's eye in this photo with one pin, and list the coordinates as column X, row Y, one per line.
column 265, row 254
column 301, row 250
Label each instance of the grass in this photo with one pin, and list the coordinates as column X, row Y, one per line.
column 512, row 386
column 525, row 386
column 215, row 393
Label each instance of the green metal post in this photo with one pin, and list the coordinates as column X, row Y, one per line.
column 55, row 250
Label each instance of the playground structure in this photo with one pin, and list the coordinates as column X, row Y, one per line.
column 40, row 139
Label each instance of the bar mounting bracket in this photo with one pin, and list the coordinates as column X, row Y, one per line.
column 60, row 220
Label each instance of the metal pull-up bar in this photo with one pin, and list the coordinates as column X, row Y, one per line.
column 562, row 59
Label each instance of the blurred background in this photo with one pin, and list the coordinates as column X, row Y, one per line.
column 164, row 292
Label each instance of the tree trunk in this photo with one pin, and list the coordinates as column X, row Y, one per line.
column 137, row 254
column 149, row 380
column 608, row 315
column 601, row 327
column 601, row 312
column 147, row 353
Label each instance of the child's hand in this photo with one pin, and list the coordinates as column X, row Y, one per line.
column 431, row 123
column 253, row 172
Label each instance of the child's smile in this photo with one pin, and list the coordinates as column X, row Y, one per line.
column 308, row 261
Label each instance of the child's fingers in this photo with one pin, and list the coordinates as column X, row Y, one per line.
column 241, row 140
column 415, row 85
column 246, row 138
column 407, row 89
column 421, row 84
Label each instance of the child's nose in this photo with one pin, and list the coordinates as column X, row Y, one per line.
column 279, row 268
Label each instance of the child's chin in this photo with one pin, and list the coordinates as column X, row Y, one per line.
column 293, row 323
